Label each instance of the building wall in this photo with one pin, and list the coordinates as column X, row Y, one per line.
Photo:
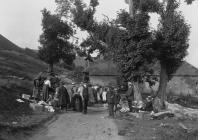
column 177, row 86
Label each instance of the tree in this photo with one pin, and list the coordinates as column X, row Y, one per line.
column 189, row 1
column 130, row 48
column 126, row 47
column 131, row 43
column 133, row 46
column 170, row 45
column 54, row 41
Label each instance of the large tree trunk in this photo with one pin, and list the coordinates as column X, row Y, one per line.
column 137, row 92
column 131, row 8
column 161, row 94
column 50, row 68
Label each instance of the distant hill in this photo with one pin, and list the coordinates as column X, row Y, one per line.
column 18, row 67
column 17, row 61
column 79, row 61
column 103, row 67
column 6, row 44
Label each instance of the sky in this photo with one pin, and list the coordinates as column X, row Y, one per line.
column 20, row 21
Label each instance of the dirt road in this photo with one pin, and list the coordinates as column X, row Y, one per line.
column 77, row 126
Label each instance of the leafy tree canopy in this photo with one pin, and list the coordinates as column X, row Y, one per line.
column 171, row 41
column 54, row 40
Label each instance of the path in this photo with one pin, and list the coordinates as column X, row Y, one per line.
column 77, row 126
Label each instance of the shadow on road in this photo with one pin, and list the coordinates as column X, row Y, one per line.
column 94, row 111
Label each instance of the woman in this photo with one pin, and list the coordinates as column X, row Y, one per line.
column 46, row 87
column 63, row 97
column 36, row 90
column 104, row 94
column 77, row 99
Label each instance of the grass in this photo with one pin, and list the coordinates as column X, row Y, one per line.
column 185, row 100
column 175, row 133
column 8, row 103
column 144, row 128
column 16, row 63
column 18, row 68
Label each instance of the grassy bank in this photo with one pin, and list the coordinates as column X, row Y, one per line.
column 144, row 128
column 15, row 115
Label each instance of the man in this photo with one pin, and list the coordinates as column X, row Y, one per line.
column 63, row 96
column 85, row 97
column 111, row 101
column 130, row 95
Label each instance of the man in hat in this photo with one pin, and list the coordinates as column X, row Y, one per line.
column 130, row 95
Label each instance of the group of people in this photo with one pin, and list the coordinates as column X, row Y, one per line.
column 54, row 92
column 79, row 95
column 94, row 94
column 51, row 91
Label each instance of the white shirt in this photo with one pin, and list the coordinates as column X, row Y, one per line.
column 47, row 82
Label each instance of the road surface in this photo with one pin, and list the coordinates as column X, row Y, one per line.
column 95, row 125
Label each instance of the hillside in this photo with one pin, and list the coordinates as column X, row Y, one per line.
column 5, row 44
column 18, row 67
column 16, row 61
column 103, row 67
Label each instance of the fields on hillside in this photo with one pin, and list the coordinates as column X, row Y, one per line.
column 18, row 67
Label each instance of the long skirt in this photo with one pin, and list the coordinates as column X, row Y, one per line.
column 104, row 94
column 35, row 94
column 77, row 103
column 45, row 93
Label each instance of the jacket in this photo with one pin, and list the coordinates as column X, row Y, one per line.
column 110, row 97
column 85, row 93
column 117, row 98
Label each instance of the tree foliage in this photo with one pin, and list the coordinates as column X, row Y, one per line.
column 129, row 40
column 83, row 17
column 171, row 41
column 54, row 40
column 189, row 1
column 130, row 47
column 132, row 44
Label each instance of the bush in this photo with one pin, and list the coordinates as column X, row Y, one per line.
column 77, row 74
column 8, row 103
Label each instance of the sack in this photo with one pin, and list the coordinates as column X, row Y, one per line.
column 25, row 96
